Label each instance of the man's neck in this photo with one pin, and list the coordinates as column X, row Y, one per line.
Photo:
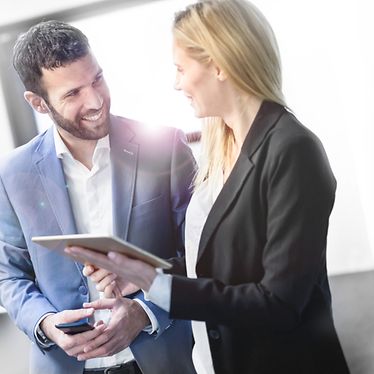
column 81, row 149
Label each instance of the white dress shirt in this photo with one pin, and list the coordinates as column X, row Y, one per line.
column 160, row 291
column 90, row 193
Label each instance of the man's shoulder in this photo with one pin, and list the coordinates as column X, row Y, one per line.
column 144, row 133
column 21, row 156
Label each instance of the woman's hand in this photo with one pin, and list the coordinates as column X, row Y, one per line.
column 133, row 271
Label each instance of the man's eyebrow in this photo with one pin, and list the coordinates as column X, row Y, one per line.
column 71, row 91
column 77, row 89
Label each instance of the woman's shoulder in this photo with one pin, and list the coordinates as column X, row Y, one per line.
column 290, row 131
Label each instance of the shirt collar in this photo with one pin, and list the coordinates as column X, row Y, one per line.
column 62, row 149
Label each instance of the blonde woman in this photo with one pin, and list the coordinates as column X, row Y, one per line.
column 256, row 286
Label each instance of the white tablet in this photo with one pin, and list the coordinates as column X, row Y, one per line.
column 100, row 243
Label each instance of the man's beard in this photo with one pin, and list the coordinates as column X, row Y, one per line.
column 73, row 127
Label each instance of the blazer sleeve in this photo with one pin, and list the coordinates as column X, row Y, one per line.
column 182, row 170
column 297, row 193
column 19, row 293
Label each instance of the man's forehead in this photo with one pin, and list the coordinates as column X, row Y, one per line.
column 72, row 75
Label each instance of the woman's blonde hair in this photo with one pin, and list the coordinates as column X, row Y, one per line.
column 238, row 38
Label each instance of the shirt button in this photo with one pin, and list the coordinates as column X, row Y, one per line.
column 214, row 334
column 83, row 290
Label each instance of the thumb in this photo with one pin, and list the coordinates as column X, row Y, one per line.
column 100, row 304
column 77, row 314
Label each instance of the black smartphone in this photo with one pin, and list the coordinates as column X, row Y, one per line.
column 76, row 327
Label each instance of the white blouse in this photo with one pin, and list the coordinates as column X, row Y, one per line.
column 196, row 215
column 160, row 291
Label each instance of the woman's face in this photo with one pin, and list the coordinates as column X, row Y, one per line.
column 199, row 82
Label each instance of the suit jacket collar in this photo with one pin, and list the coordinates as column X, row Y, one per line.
column 265, row 120
column 50, row 172
column 124, row 157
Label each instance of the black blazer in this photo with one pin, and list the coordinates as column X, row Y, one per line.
column 262, row 285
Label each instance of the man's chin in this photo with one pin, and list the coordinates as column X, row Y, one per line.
column 99, row 132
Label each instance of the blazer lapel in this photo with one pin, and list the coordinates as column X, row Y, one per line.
column 225, row 198
column 265, row 120
column 53, row 181
column 124, row 158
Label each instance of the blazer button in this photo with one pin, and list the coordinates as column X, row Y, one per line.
column 83, row 290
column 214, row 334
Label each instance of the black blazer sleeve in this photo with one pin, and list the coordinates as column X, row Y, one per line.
column 272, row 238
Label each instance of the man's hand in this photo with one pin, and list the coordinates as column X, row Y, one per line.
column 71, row 344
column 111, row 284
column 133, row 271
column 127, row 321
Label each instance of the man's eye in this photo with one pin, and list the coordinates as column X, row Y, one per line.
column 72, row 93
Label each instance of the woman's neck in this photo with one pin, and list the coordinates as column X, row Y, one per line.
column 240, row 119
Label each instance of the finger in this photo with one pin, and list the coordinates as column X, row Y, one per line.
column 102, row 351
column 98, row 323
column 100, row 304
column 86, row 255
column 99, row 275
column 112, row 290
column 116, row 290
column 98, row 347
column 105, row 282
column 75, row 315
column 118, row 257
column 88, row 270
column 74, row 344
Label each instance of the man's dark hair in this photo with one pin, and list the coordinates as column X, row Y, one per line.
column 47, row 45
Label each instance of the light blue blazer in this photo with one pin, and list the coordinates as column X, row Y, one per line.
column 151, row 189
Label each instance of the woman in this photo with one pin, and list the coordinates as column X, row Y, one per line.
column 256, row 286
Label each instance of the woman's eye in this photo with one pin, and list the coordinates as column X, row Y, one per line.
column 98, row 79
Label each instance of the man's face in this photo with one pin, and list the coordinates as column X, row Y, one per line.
column 78, row 98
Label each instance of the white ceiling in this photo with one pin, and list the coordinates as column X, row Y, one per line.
column 18, row 10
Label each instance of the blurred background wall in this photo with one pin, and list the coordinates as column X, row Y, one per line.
column 327, row 50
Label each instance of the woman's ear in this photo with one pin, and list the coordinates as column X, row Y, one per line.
column 36, row 102
column 221, row 76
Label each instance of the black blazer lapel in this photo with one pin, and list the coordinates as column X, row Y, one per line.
column 224, row 200
column 267, row 116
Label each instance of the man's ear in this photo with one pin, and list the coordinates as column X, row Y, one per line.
column 36, row 102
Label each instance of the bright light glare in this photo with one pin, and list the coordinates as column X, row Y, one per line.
column 327, row 53
column 134, row 47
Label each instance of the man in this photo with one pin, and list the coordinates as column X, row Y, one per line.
column 90, row 173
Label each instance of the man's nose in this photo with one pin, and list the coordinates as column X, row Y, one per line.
column 93, row 99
